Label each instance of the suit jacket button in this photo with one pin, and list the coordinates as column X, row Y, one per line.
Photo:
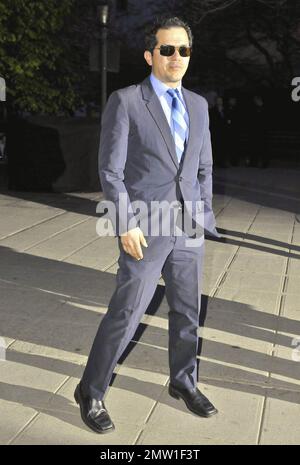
column 180, row 178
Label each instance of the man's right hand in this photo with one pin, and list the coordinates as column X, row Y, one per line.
column 131, row 242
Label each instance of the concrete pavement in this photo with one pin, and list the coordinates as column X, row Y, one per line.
column 56, row 279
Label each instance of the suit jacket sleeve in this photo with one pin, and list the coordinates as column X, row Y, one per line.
column 112, row 160
column 205, row 178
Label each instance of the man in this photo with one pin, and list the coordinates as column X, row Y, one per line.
column 154, row 146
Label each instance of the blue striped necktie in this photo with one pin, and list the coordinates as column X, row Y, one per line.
column 179, row 124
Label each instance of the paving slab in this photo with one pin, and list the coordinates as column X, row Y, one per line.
column 13, row 418
column 39, row 233
column 281, row 419
column 170, row 419
column 243, row 280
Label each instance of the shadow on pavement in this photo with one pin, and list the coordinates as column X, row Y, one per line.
column 59, row 306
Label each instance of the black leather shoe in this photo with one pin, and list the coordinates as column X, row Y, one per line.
column 195, row 401
column 93, row 412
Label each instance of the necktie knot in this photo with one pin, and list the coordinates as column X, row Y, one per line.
column 173, row 92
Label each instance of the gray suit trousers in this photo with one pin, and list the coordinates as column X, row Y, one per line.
column 181, row 268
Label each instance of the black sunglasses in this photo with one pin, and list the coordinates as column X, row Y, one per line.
column 169, row 50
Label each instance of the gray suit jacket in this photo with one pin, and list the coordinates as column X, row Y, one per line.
column 137, row 155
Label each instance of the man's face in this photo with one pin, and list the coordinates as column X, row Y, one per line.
column 169, row 70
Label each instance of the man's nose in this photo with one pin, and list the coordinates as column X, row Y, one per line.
column 176, row 54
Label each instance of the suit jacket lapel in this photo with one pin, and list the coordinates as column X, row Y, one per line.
column 154, row 106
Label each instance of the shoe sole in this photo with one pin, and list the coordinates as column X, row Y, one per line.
column 177, row 395
column 76, row 397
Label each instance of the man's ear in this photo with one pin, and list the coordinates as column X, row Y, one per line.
column 148, row 57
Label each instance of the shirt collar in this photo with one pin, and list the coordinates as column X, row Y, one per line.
column 160, row 87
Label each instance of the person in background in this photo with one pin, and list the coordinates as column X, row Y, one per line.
column 218, row 129
column 233, row 127
column 258, row 150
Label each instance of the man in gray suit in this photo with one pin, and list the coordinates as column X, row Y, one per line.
column 154, row 146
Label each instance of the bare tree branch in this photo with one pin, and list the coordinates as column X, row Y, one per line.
column 211, row 10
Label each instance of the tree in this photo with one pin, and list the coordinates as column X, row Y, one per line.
column 246, row 40
column 38, row 58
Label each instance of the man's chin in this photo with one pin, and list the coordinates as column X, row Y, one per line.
column 175, row 77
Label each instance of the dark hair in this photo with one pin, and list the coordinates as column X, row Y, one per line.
column 164, row 23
